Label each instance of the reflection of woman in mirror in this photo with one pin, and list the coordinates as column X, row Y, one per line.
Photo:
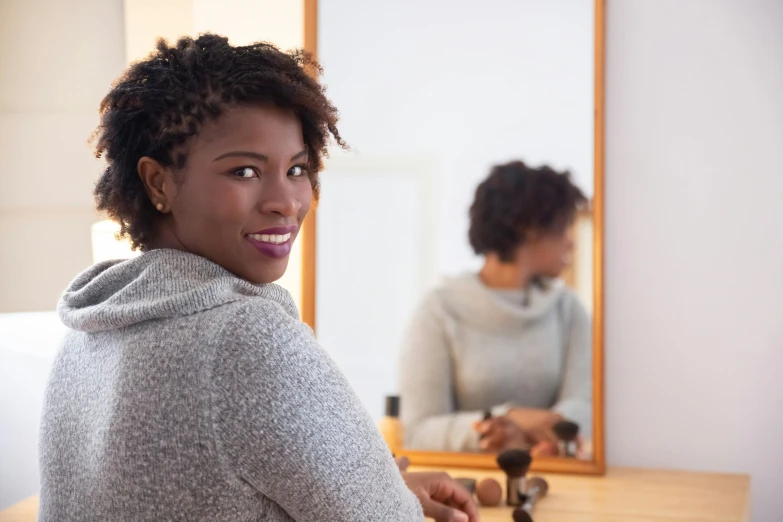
column 512, row 339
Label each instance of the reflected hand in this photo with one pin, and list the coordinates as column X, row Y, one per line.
column 442, row 498
column 544, row 449
column 537, row 424
column 500, row 433
column 549, row 449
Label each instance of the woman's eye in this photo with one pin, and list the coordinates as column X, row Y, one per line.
column 297, row 171
column 245, row 172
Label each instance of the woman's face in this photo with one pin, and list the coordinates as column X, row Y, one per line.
column 550, row 252
column 242, row 196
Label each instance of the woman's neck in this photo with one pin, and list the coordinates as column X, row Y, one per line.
column 505, row 275
column 165, row 237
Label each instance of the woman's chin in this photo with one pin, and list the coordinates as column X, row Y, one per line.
column 268, row 271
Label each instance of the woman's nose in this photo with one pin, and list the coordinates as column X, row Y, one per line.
column 279, row 197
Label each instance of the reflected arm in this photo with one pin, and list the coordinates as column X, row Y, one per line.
column 576, row 389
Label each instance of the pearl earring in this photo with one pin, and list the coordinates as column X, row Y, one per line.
column 160, row 207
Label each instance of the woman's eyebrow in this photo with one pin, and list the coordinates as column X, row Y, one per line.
column 243, row 154
column 256, row 155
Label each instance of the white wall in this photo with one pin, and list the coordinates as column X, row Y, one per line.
column 246, row 21
column 148, row 20
column 242, row 21
column 57, row 60
column 694, row 257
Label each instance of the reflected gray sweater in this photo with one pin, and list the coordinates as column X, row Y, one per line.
column 470, row 348
column 182, row 392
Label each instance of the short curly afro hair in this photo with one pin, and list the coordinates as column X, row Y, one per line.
column 516, row 199
column 160, row 102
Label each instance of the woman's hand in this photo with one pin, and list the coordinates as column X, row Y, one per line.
column 441, row 497
column 544, row 449
column 500, row 433
column 537, row 424
column 550, row 449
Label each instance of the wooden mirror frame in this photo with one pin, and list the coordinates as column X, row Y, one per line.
column 309, row 230
column 597, row 466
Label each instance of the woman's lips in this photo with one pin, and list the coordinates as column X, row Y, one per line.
column 275, row 242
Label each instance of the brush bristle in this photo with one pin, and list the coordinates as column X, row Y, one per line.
column 540, row 483
column 514, row 462
column 520, row 515
column 566, row 430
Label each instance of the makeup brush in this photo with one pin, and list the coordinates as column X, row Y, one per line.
column 515, row 463
column 487, row 416
column 537, row 489
column 566, row 432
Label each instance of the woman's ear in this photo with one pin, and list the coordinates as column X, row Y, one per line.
column 157, row 183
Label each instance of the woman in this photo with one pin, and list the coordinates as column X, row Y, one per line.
column 510, row 340
column 186, row 388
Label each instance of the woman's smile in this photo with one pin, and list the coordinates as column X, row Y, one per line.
column 274, row 242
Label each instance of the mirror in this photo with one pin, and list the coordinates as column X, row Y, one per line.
column 402, row 302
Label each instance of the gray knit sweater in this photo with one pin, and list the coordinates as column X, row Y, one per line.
column 470, row 348
column 182, row 392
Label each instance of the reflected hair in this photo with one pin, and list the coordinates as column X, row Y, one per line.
column 516, row 199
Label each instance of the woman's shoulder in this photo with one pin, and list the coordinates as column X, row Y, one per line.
column 570, row 303
column 259, row 338
column 259, row 320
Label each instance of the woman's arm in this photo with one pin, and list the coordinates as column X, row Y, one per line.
column 575, row 399
column 288, row 424
column 427, row 397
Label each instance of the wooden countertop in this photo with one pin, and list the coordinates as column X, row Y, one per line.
column 24, row 511
column 623, row 495
column 632, row 495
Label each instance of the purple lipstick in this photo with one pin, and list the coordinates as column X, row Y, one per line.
column 275, row 242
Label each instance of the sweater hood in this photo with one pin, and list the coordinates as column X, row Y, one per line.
column 472, row 302
column 159, row 284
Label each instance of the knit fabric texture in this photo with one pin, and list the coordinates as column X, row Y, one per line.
column 182, row 392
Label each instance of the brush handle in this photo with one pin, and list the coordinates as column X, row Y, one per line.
column 565, row 449
column 537, row 489
column 532, row 498
column 487, row 416
column 516, row 491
